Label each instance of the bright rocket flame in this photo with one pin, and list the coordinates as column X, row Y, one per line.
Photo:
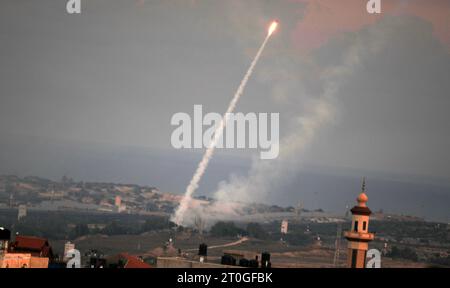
column 272, row 27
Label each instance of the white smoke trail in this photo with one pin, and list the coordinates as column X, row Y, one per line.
column 264, row 177
column 177, row 218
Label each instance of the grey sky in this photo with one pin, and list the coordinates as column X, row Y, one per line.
column 116, row 74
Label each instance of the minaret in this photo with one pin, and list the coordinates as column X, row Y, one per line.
column 359, row 237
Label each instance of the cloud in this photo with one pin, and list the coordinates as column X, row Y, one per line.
column 319, row 111
column 325, row 19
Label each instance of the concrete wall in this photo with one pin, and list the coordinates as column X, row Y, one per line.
column 38, row 262
column 175, row 262
column 22, row 260
column 15, row 260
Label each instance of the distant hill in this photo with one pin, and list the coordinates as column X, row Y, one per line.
column 171, row 170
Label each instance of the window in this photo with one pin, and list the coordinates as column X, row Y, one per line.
column 355, row 228
column 364, row 226
column 354, row 255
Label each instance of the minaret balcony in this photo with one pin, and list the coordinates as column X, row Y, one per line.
column 364, row 236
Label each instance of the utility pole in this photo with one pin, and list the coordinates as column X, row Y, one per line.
column 337, row 244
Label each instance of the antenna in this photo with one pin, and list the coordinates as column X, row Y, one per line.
column 298, row 210
column 337, row 244
column 199, row 225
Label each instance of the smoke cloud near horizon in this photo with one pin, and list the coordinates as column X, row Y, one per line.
column 266, row 176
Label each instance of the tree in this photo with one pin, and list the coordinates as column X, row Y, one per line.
column 405, row 253
column 114, row 228
column 80, row 230
column 156, row 223
column 255, row 230
column 298, row 238
column 223, row 229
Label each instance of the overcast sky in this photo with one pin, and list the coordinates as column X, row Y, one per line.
column 115, row 74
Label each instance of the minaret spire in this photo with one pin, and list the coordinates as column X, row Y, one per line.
column 363, row 188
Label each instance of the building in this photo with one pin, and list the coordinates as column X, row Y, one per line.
column 122, row 208
column 118, row 205
column 67, row 247
column 117, row 201
column 21, row 258
column 359, row 237
column 11, row 200
column 238, row 255
column 127, row 261
column 35, row 246
column 5, row 236
column 96, row 259
column 22, row 212
column 284, row 227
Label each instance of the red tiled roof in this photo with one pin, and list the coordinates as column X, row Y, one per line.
column 29, row 242
column 133, row 261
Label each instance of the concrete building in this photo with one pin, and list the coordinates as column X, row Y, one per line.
column 5, row 236
column 24, row 257
column 22, row 260
column 35, row 246
column 22, row 212
column 122, row 208
column 118, row 205
column 67, row 247
column 118, row 201
column 359, row 237
column 284, row 227
column 241, row 254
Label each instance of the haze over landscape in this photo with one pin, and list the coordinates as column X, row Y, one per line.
column 92, row 97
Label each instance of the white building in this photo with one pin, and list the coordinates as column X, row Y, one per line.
column 284, row 227
column 22, row 212
column 67, row 247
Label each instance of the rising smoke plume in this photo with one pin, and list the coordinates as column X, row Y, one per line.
column 178, row 217
column 264, row 177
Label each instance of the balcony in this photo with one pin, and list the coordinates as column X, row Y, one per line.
column 359, row 235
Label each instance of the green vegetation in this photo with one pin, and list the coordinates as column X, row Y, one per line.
column 57, row 225
column 415, row 241
column 298, row 238
column 442, row 261
column 405, row 253
column 225, row 229
column 255, row 230
column 79, row 230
